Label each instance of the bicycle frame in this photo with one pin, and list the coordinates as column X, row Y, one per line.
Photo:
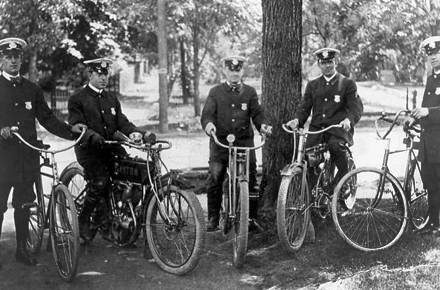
column 238, row 167
column 411, row 156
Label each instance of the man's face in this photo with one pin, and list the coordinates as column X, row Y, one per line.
column 233, row 76
column 11, row 63
column 434, row 59
column 328, row 67
column 98, row 80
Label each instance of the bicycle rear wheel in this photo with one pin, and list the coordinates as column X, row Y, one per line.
column 36, row 220
column 417, row 197
column 64, row 232
column 367, row 218
column 293, row 214
column 176, row 239
column 240, row 226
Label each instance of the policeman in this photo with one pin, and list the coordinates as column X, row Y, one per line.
column 21, row 102
column 428, row 116
column 332, row 99
column 230, row 108
column 101, row 112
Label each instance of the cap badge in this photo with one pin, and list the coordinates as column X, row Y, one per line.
column 12, row 45
column 325, row 54
column 103, row 64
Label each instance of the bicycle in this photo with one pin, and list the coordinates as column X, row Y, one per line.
column 295, row 203
column 55, row 211
column 146, row 197
column 381, row 204
column 234, row 215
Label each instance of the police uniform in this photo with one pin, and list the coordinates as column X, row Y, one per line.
column 101, row 112
column 232, row 108
column 21, row 102
column 429, row 152
column 330, row 102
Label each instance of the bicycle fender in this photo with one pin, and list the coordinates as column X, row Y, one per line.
column 291, row 169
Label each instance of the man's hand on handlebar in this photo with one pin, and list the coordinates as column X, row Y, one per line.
column 5, row 132
column 97, row 140
column 78, row 128
column 409, row 122
column 209, row 128
column 266, row 130
column 419, row 113
column 293, row 124
column 346, row 125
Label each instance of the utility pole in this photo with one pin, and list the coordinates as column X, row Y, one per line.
column 163, row 66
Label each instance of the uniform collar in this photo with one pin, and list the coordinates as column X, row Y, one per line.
column 95, row 89
column 328, row 79
column 234, row 87
column 8, row 76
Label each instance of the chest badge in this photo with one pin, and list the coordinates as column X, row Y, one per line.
column 113, row 110
column 244, row 106
column 28, row 105
column 337, row 98
column 437, row 91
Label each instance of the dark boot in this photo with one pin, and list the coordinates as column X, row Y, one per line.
column 84, row 219
column 21, row 219
column 22, row 255
column 213, row 220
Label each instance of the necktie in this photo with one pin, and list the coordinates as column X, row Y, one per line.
column 16, row 80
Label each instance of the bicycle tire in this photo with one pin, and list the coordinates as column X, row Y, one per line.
column 371, row 221
column 240, row 227
column 168, row 240
column 73, row 177
column 293, row 214
column 417, row 197
column 64, row 233
column 36, row 220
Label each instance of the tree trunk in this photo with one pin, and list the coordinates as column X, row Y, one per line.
column 186, row 92
column 162, row 49
column 33, row 65
column 281, row 88
column 196, row 65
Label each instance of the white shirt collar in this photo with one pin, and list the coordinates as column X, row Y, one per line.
column 95, row 89
column 329, row 78
column 9, row 76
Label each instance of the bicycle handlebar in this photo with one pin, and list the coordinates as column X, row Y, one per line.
column 214, row 136
column 287, row 129
column 14, row 130
column 393, row 123
column 156, row 146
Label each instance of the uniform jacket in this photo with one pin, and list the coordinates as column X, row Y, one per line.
column 20, row 105
column 430, row 135
column 231, row 112
column 101, row 113
column 330, row 103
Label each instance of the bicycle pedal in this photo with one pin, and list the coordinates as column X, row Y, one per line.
column 29, row 205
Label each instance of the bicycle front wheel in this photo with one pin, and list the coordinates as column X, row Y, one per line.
column 369, row 209
column 293, row 214
column 64, row 232
column 417, row 197
column 36, row 220
column 175, row 229
column 240, row 226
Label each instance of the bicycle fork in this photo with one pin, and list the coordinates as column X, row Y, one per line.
column 238, row 172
